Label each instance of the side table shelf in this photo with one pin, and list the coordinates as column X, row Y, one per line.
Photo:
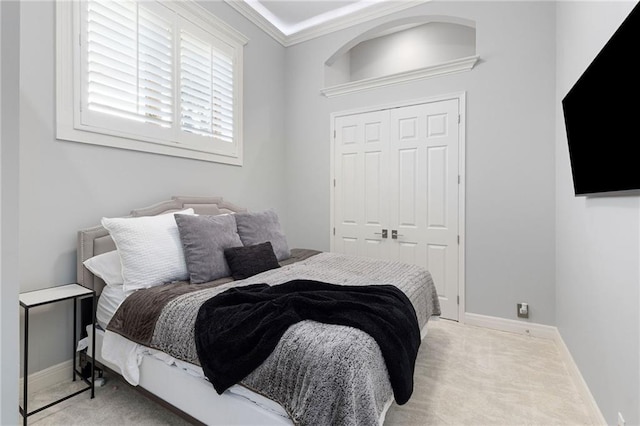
column 32, row 299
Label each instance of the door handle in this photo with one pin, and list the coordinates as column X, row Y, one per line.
column 395, row 235
column 383, row 233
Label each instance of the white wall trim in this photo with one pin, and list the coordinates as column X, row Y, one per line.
column 258, row 20
column 445, row 68
column 596, row 415
column 462, row 207
column 399, row 104
column 49, row 376
column 375, row 11
column 544, row 332
column 512, row 326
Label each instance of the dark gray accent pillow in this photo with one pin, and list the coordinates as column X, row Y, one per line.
column 260, row 227
column 248, row 261
column 204, row 239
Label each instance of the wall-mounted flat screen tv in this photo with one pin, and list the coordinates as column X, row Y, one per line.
column 602, row 117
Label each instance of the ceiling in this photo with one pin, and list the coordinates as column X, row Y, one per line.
column 294, row 21
column 293, row 16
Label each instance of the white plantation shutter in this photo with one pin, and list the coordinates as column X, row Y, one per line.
column 155, row 68
column 196, row 85
column 111, row 57
column 206, row 89
column 223, row 95
column 129, row 62
column 153, row 76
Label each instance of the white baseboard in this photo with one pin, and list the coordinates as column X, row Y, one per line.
column 512, row 326
column 545, row 332
column 49, row 376
column 574, row 372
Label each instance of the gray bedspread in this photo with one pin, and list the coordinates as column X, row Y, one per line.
column 321, row 374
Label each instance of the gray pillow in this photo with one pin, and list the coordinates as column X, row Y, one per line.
column 204, row 239
column 260, row 227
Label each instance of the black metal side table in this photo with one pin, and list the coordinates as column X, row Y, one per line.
column 32, row 299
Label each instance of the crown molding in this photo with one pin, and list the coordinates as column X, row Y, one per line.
column 374, row 11
column 260, row 21
column 450, row 67
column 204, row 17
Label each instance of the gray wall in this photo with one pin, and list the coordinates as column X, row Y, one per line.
column 510, row 252
column 9, row 198
column 65, row 186
column 597, row 238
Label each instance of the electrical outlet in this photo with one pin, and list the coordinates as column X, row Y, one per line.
column 621, row 421
column 523, row 310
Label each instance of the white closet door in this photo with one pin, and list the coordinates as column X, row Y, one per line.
column 424, row 193
column 396, row 171
column 361, row 172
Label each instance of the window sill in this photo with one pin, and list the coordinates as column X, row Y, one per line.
column 74, row 135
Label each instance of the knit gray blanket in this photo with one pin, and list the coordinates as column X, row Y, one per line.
column 321, row 374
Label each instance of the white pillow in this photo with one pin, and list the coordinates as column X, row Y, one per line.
column 106, row 266
column 150, row 249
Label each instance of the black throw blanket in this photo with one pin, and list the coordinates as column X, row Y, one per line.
column 238, row 329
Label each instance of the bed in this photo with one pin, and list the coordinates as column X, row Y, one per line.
column 347, row 382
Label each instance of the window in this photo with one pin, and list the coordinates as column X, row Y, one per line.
column 150, row 76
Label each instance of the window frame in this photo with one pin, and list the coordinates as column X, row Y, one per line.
column 69, row 96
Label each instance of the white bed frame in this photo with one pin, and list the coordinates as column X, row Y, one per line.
column 191, row 397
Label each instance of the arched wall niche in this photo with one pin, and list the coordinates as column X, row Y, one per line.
column 402, row 50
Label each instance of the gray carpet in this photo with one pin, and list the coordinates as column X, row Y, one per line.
column 116, row 403
column 464, row 376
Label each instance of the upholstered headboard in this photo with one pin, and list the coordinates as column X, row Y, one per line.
column 96, row 240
